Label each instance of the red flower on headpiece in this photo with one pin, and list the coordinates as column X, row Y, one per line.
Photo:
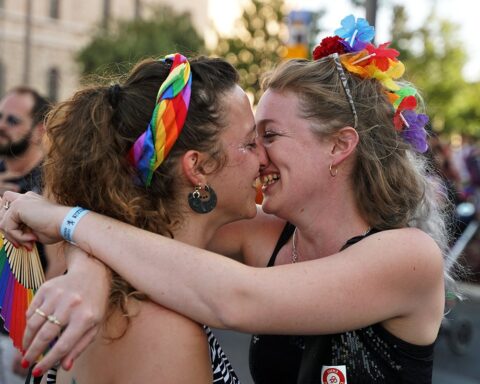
column 381, row 54
column 408, row 103
column 329, row 45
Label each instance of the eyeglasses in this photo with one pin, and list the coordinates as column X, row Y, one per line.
column 11, row 120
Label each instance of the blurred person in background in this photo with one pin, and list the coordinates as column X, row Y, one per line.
column 22, row 112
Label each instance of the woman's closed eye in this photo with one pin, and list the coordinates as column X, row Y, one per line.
column 269, row 136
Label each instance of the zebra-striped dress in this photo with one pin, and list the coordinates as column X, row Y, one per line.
column 222, row 371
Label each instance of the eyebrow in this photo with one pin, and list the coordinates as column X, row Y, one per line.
column 263, row 122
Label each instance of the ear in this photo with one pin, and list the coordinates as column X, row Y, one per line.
column 191, row 161
column 344, row 143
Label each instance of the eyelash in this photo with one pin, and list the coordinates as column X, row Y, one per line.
column 268, row 136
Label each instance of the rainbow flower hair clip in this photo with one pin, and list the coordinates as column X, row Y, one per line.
column 168, row 118
column 351, row 46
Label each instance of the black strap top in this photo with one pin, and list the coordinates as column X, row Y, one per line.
column 370, row 355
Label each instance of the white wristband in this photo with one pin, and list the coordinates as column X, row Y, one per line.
column 70, row 222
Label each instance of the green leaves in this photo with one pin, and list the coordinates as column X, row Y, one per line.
column 113, row 51
column 434, row 58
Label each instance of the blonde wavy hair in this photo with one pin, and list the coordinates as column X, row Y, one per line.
column 394, row 186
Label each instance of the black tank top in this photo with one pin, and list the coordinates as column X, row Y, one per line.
column 369, row 355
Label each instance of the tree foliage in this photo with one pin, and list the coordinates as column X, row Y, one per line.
column 435, row 57
column 258, row 43
column 116, row 49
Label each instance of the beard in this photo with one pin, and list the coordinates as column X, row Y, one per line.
column 15, row 148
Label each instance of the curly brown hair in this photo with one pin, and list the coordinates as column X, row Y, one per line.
column 89, row 136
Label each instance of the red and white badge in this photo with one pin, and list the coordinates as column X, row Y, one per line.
column 334, row 374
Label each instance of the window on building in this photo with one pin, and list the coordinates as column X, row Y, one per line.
column 53, row 84
column 55, row 9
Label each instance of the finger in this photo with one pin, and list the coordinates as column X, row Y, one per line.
column 47, row 333
column 34, row 320
column 10, row 196
column 37, row 302
column 78, row 348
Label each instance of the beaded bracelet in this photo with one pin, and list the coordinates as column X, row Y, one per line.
column 70, row 222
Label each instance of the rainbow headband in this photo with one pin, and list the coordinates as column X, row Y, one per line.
column 351, row 46
column 168, row 119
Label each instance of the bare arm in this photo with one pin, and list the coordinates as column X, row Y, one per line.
column 379, row 278
column 384, row 276
column 387, row 275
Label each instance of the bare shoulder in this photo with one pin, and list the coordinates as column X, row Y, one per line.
column 250, row 241
column 157, row 345
column 163, row 346
column 413, row 244
column 414, row 267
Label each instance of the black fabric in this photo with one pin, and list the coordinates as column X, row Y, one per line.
column 371, row 354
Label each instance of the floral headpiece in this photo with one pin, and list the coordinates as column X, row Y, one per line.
column 352, row 48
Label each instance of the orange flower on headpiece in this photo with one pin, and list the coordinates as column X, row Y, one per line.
column 356, row 63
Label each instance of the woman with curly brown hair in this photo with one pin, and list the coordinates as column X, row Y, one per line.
column 172, row 151
column 350, row 225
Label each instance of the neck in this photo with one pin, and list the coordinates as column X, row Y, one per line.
column 196, row 229
column 323, row 230
column 26, row 162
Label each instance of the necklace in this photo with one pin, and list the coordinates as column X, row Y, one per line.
column 294, row 247
column 294, row 243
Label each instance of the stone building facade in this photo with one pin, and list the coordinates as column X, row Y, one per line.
column 40, row 38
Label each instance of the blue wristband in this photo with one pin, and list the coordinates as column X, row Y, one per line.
column 70, row 222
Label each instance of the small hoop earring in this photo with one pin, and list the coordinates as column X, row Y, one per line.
column 333, row 170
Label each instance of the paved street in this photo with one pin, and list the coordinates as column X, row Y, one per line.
column 450, row 367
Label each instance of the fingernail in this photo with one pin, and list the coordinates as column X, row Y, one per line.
column 68, row 365
column 25, row 363
column 37, row 372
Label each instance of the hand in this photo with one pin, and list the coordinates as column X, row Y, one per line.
column 78, row 300
column 26, row 218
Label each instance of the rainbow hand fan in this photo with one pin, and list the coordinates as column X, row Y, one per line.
column 21, row 274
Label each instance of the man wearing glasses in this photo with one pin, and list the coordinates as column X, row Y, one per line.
column 22, row 112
